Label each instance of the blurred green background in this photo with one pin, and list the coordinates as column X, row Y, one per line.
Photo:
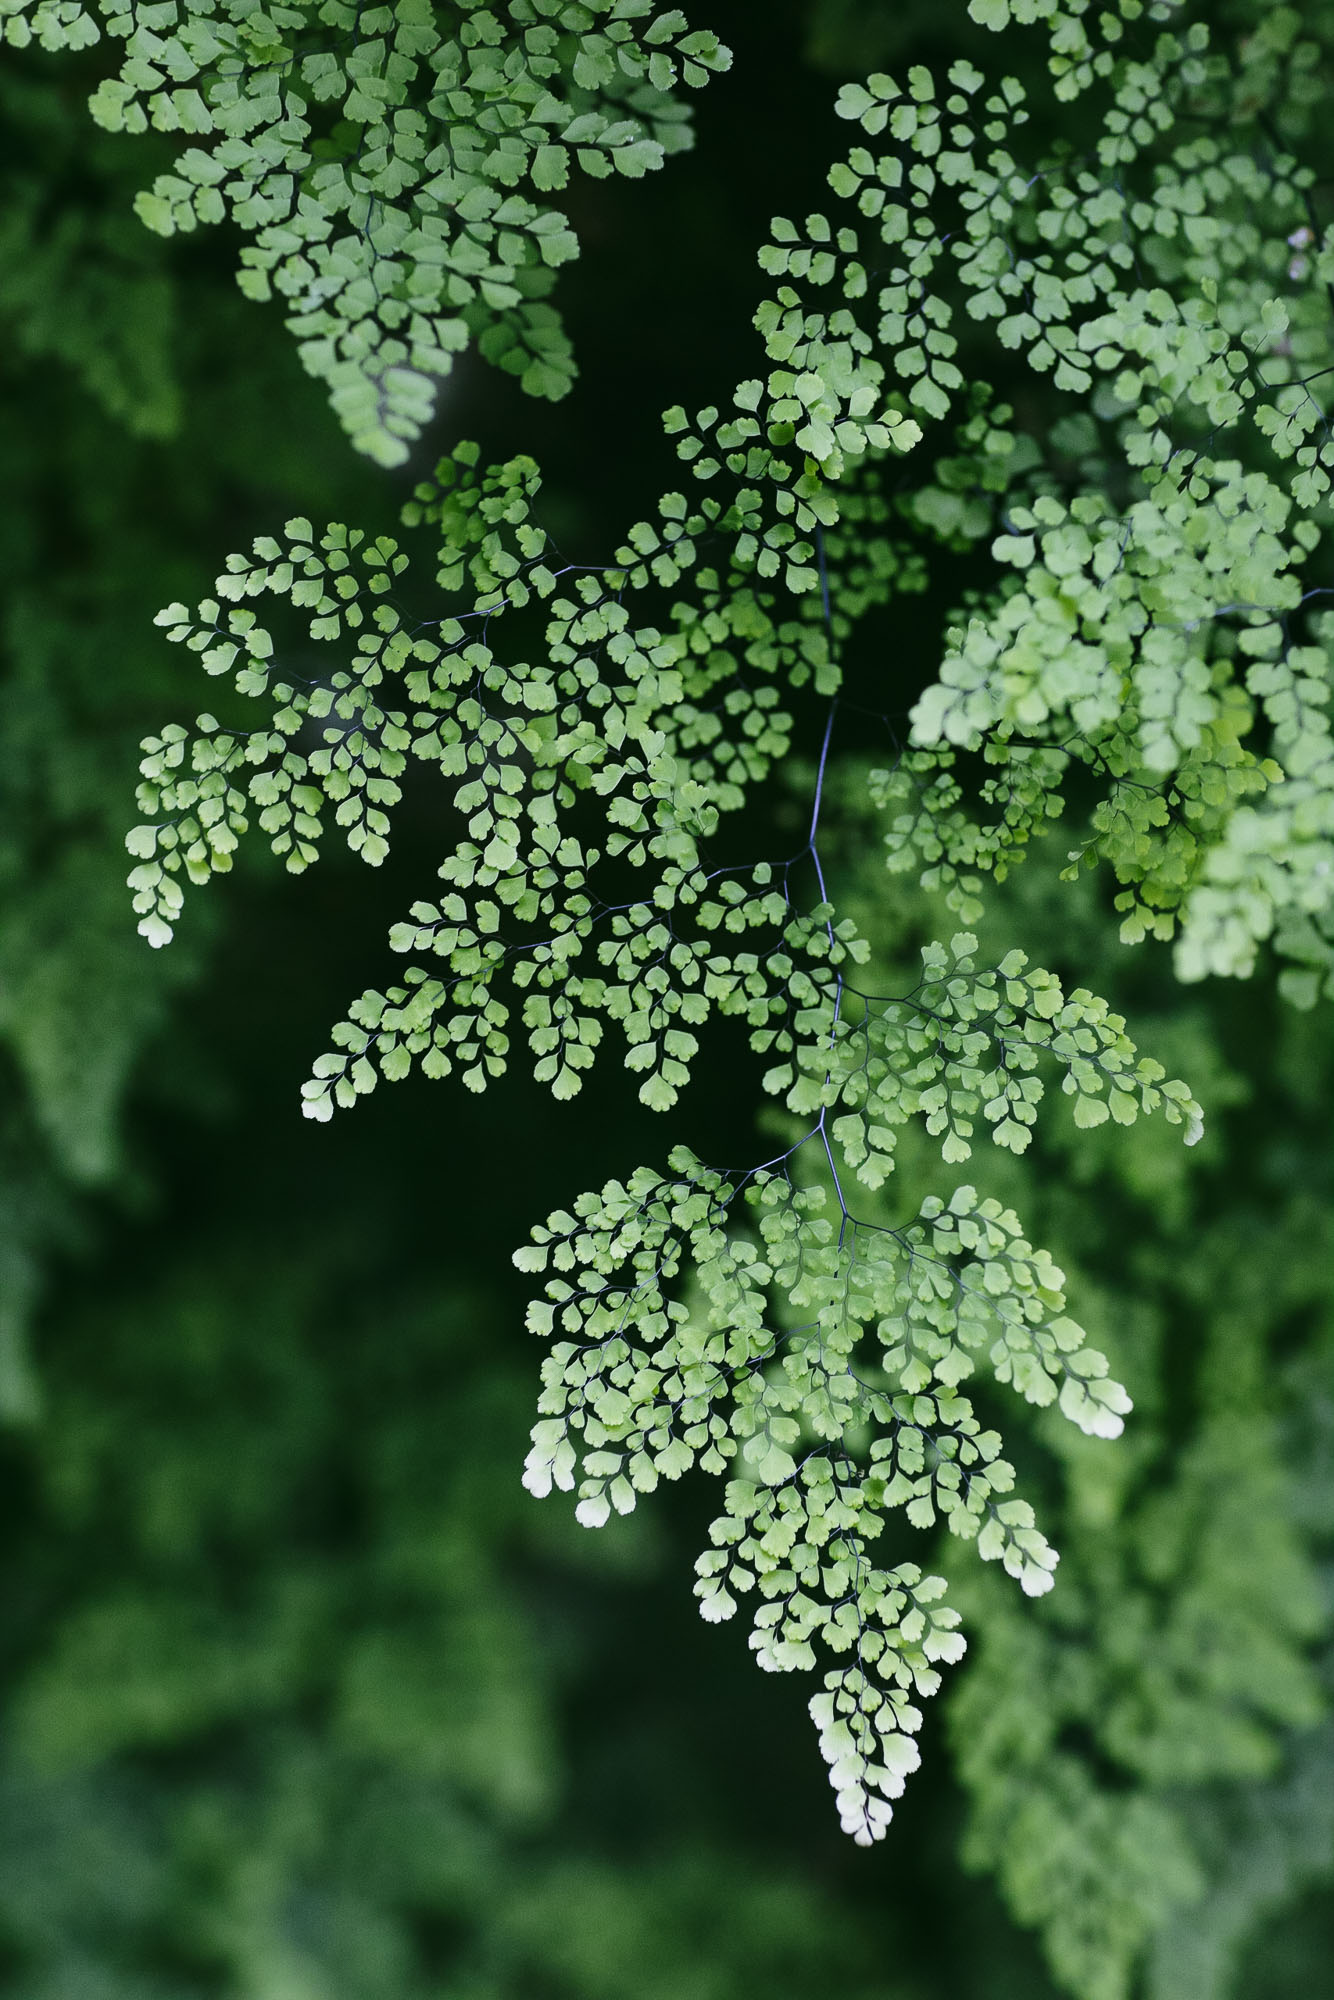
column 304, row 1698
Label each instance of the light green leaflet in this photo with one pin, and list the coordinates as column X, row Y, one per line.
column 392, row 166
column 1150, row 640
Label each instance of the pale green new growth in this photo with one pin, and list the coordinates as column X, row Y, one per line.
column 391, row 164
column 1147, row 641
column 802, row 1341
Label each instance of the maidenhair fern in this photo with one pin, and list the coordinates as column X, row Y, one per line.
column 1145, row 678
column 392, row 165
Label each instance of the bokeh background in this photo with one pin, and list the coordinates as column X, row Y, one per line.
column 303, row 1697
